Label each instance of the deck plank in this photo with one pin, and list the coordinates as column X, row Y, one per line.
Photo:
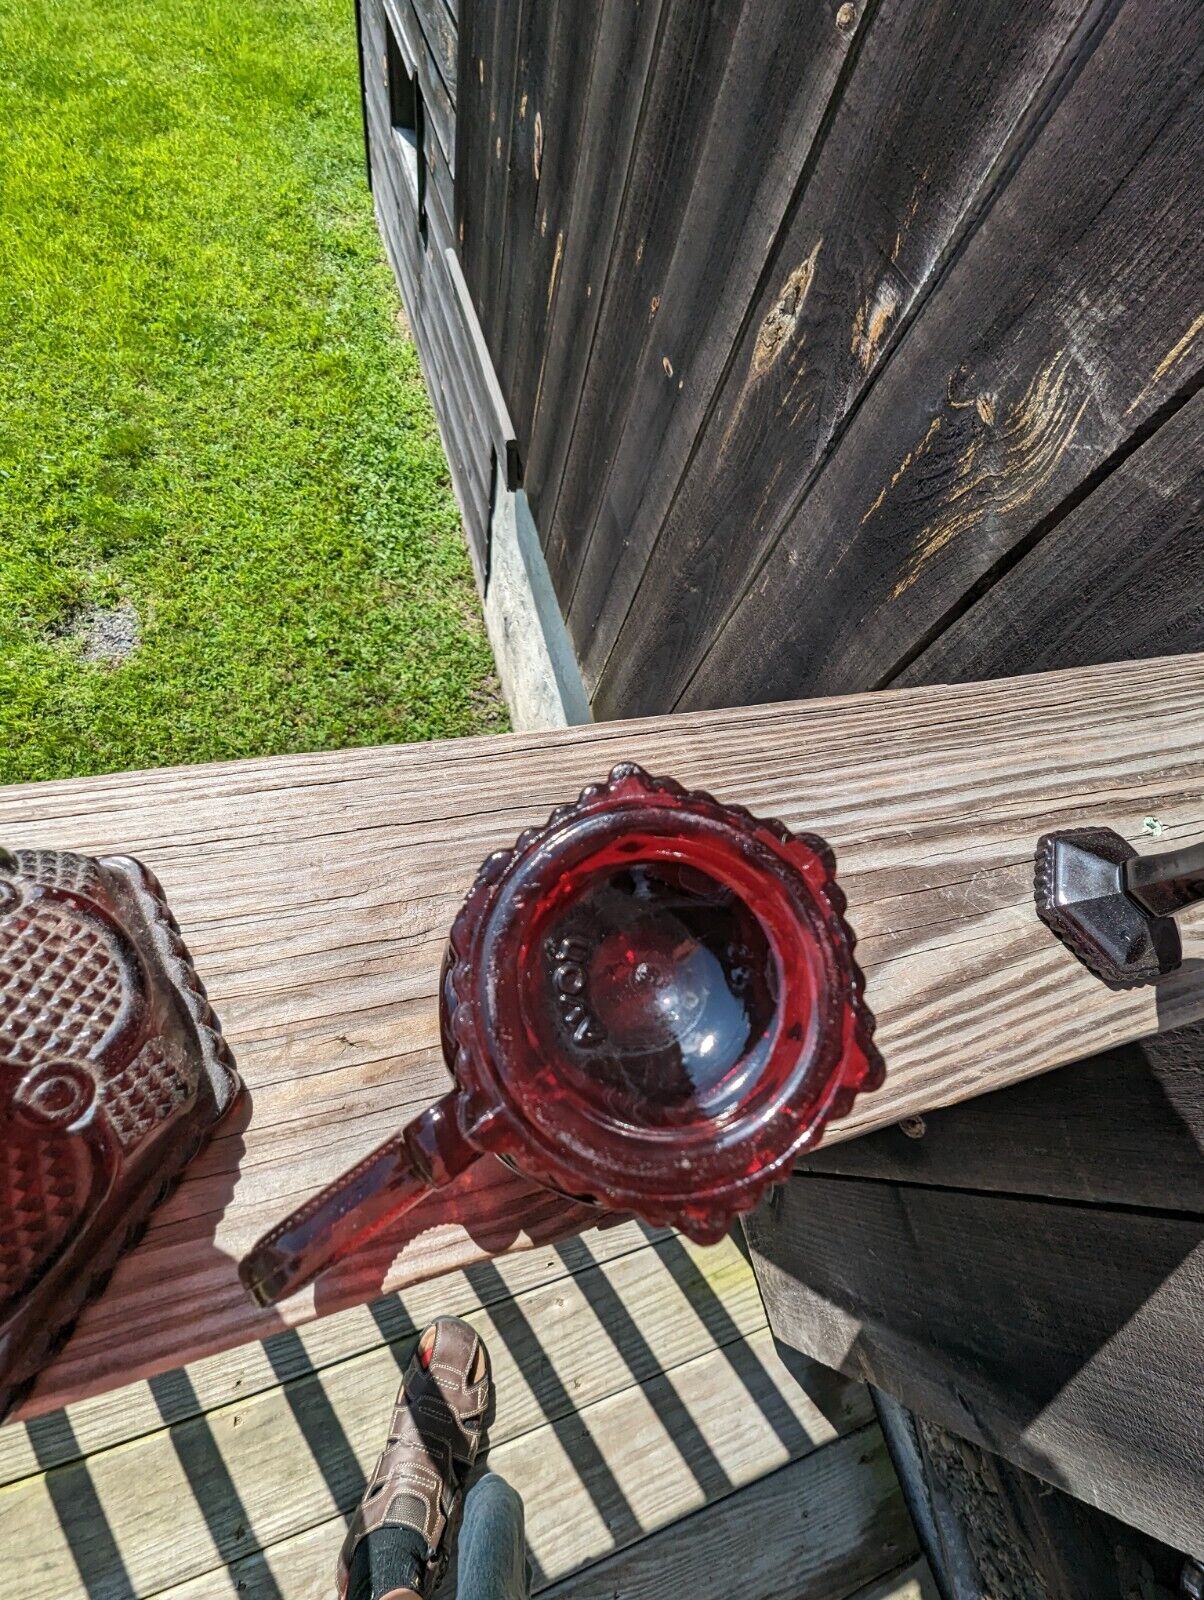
column 1065, row 1337
column 316, row 891
column 829, row 1509
column 120, row 1415
column 820, row 1527
column 616, row 1393
column 641, row 1477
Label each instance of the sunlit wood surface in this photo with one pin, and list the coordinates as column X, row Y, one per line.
column 316, row 893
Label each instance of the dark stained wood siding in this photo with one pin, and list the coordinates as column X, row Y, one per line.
column 1054, row 337
column 828, row 332
column 1066, row 1337
column 1117, row 578
column 472, row 418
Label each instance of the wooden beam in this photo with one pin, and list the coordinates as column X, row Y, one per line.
column 820, row 1528
column 1124, row 1129
column 316, row 892
column 1064, row 1337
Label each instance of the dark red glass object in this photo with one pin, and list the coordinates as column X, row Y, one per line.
column 113, row 1070
column 650, row 1003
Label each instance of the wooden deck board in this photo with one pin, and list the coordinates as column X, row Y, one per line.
column 117, row 1416
column 316, row 891
column 630, row 1394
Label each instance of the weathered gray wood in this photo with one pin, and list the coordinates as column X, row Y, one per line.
column 553, row 89
column 398, row 220
column 662, row 1444
column 1069, row 320
column 436, row 102
column 1067, row 1338
column 694, row 45
column 556, row 1351
column 121, row 1415
column 767, row 108
column 819, row 1528
column 316, row 893
column 422, row 271
column 487, row 190
column 1126, row 1128
column 464, row 441
column 475, row 30
column 501, row 428
column 585, row 220
column 837, row 1504
column 439, row 30
column 521, row 123
column 912, row 158
column 1118, row 578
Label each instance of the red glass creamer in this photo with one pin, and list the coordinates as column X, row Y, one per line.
column 650, row 1003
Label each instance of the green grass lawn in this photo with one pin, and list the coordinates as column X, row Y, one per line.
column 214, row 437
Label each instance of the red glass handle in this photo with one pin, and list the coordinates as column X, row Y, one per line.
column 426, row 1154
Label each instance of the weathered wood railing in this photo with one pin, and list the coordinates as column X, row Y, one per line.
column 316, row 892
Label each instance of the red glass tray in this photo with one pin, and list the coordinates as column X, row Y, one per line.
column 650, row 1003
column 113, row 1071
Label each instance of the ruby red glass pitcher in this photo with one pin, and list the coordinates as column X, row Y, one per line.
column 650, row 1004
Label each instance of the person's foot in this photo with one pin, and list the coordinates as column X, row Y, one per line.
column 415, row 1494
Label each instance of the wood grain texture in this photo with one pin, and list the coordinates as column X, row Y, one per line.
column 295, row 1454
column 997, row 1530
column 580, row 1475
column 118, row 1416
column 1118, row 578
column 517, row 154
column 316, row 892
column 1125, row 1128
column 912, row 157
column 482, row 378
column 475, row 33
column 841, row 1492
column 553, row 91
column 695, row 43
column 768, row 107
column 587, row 219
column 1067, row 1338
column 465, row 440
column 501, row 57
column 1067, row 322
column 436, row 102
column 439, row 30
column 816, row 1528
column 460, row 395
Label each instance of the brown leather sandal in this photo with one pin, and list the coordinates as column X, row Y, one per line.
column 438, row 1420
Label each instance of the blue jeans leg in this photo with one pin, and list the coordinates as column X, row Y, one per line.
column 492, row 1560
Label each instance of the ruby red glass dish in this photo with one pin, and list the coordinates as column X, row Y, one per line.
column 650, row 1003
column 113, row 1073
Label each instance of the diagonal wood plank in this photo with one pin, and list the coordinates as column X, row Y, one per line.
column 1065, row 1337
column 315, row 892
column 909, row 163
column 1047, row 352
